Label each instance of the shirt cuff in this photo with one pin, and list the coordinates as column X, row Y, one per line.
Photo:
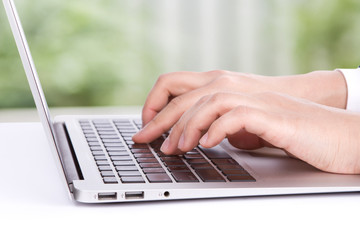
column 352, row 77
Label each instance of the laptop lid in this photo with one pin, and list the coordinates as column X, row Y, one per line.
column 33, row 80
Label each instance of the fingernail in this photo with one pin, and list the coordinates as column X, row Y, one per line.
column 165, row 145
column 181, row 141
column 204, row 139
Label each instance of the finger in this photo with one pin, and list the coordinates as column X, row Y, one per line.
column 256, row 121
column 187, row 132
column 170, row 85
column 247, row 141
column 171, row 143
column 169, row 115
column 244, row 140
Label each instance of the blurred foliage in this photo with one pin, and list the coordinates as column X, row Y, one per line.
column 87, row 53
column 328, row 34
column 106, row 52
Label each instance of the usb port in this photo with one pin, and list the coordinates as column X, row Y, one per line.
column 107, row 196
column 134, row 195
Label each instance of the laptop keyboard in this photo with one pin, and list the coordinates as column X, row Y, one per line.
column 120, row 160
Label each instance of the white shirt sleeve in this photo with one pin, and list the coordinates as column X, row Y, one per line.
column 352, row 77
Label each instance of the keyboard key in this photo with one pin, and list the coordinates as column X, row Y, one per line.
column 98, row 153
column 209, row 175
column 100, row 158
column 192, row 152
column 105, row 168
column 224, row 161
column 127, row 135
column 197, row 161
column 184, row 177
column 109, row 136
column 153, row 170
column 132, row 179
column 138, row 146
column 215, row 152
column 94, row 143
column 88, row 130
column 121, row 158
column 129, row 173
column 127, row 138
column 111, row 141
column 232, row 166
column 178, row 169
column 202, row 166
column 118, row 144
column 234, row 171
column 118, row 153
column 193, row 156
column 127, row 130
column 102, row 163
column 143, row 150
column 90, row 135
column 92, row 139
column 103, row 129
column 174, row 163
column 123, row 163
column 126, row 168
column 143, row 155
column 161, row 154
column 107, row 174
column 146, row 160
column 171, row 158
column 110, row 180
column 122, row 122
column 96, row 148
column 240, row 178
column 158, row 177
column 150, row 165
column 105, row 133
column 115, row 149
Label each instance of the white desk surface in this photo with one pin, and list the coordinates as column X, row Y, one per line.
column 35, row 205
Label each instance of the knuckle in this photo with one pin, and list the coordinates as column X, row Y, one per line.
column 217, row 73
column 242, row 111
column 162, row 78
column 217, row 126
column 176, row 129
column 176, row 102
column 217, row 97
column 224, row 81
column 204, row 99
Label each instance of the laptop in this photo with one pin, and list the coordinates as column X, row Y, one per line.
column 98, row 162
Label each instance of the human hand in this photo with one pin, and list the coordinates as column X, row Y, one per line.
column 324, row 137
column 174, row 93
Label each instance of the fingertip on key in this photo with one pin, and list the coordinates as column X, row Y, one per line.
column 204, row 139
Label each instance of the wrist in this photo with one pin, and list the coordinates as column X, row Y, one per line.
column 323, row 87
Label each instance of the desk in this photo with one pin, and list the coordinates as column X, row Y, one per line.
column 35, row 205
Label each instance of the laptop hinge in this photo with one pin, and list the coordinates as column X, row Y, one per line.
column 68, row 158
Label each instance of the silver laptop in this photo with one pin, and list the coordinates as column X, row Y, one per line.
column 99, row 162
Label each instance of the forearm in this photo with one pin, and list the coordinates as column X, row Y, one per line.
column 324, row 87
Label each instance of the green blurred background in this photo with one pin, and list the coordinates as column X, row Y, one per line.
column 110, row 52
